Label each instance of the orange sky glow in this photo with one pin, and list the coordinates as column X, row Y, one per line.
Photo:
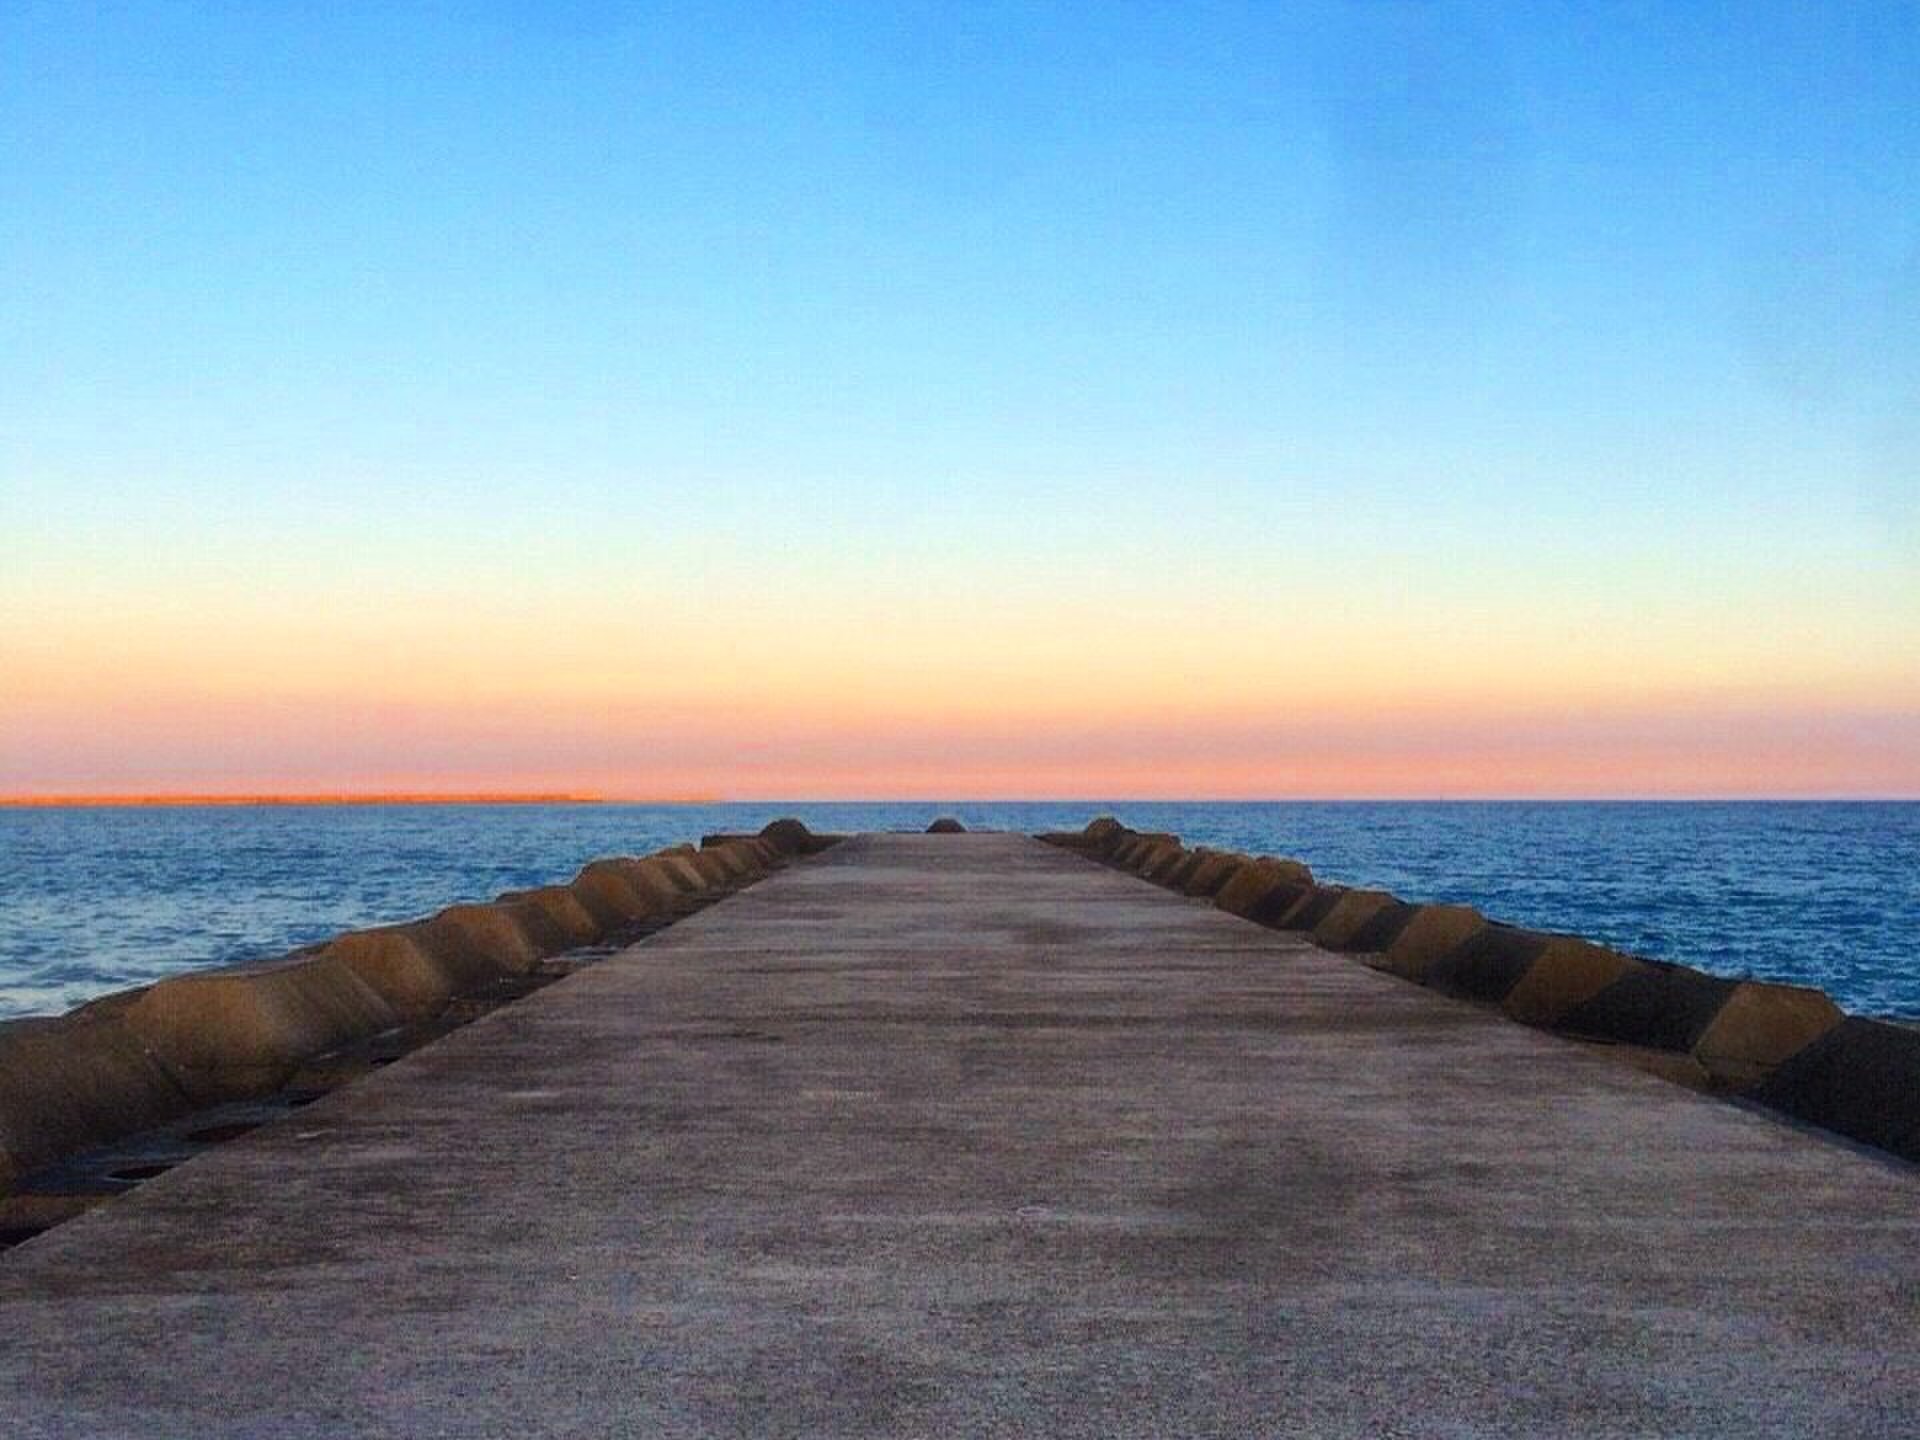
column 243, row 748
column 964, row 690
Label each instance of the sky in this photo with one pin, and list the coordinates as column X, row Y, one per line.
column 972, row 400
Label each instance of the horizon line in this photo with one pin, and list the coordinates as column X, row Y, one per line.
column 345, row 797
column 269, row 799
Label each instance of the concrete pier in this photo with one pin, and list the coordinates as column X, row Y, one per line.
column 959, row 1135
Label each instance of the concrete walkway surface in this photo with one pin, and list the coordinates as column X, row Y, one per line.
column 965, row 1136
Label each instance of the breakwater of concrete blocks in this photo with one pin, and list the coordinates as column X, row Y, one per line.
column 209, row 1053
column 1785, row 1047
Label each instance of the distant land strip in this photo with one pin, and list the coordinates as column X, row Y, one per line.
column 53, row 802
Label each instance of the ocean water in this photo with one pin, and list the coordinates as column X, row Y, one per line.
column 1813, row 893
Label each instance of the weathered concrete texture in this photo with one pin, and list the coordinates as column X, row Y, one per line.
column 1212, row 871
column 1249, row 887
column 1432, row 933
column 1559, row 973
column 243, row 1029
column 72, row 1082
column 1352, row 915
column 965, row 1135
column 1859, row 1078
column 1761, row 1027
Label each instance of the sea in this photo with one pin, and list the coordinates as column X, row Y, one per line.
column 1812, row 893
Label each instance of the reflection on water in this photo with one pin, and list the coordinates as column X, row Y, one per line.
column 1820, row 894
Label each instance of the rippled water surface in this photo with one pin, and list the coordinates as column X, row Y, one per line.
column 1821, row 894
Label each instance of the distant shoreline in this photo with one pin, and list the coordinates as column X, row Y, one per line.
column 106, row 802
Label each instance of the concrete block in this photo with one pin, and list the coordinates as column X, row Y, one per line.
column 606, row 893
column 1276, row 907
column 1301, row 909
column 1487, row 964
column 1566, row 974
column 789, row 836
column 750, row 857
column 1097, row 838
column 1164, row 862
column 1354, row 914
column 1247, row 886
column 1382, row 928
column 399, row 965
column 687, row 876
column 1140, row 850
column 1430, row 934
column 242, row 1030
column 762, row 849
column 1215, row 869
column 706, row 864
column 1065, row 840
column 764, row 854
column 677, row 864
column 1656, row 1004
column 1176, row 877
column 71, row 1083
column 553, row 917
column 793, row 838
column 734, row 862
column 479, row 943
column 1760, row 1028
column 660, row 881
column 1159, row 855
column 1861, row 1078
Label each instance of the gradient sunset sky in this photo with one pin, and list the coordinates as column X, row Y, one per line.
column 961, row 400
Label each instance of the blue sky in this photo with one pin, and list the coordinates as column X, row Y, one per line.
column 1609, row 312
